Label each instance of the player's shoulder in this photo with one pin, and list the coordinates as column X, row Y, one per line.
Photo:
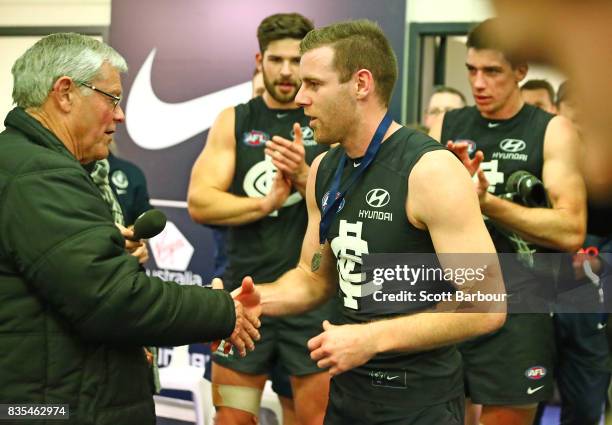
column 255, row 104
column 410, row 142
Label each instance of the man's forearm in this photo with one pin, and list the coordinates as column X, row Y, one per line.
column 553, row 228
column 448, row 322
column 426, row 331
column 295, row 292
column 226, row 209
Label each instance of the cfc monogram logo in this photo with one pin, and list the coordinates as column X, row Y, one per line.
column 492, row 174
column 258, row 182
column 348, row 247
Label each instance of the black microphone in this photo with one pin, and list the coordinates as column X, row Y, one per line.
column 148, row 224
column 529, row 189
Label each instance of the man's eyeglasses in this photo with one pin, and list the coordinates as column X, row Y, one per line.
column 114, row 99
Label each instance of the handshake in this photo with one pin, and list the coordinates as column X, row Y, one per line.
column 248, row 309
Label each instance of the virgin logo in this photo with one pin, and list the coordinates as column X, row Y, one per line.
column 171, row 250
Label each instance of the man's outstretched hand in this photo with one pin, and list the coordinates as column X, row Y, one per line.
column 248, row 309
column 248, row 295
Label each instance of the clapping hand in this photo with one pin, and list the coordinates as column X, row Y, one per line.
column 289, row 157
column 461, row 149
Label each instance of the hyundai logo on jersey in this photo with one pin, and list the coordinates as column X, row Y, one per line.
column 307, row 136
column 378, row 198
column 512, row 145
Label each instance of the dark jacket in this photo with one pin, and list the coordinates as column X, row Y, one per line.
column 75, row 309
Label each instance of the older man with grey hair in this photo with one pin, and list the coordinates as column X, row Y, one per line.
column 76, row 307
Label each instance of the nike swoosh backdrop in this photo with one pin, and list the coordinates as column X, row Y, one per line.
column 188, row 60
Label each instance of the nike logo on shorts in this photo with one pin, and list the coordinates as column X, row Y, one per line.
column 533, row 390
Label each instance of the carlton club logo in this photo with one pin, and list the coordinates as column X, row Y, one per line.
column 512, row 145
column 378, row 198
column 259, row 180
column 120, row 180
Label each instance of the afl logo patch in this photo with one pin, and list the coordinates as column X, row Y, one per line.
column 535, row 373
column 255, row 138
column 471, row 145
column 119, row 179
column 512, row 145
column 378, row 198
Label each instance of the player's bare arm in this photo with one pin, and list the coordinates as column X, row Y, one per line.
column 452, row 216
column 303, row 289
column 208, row 199
column 563, row 226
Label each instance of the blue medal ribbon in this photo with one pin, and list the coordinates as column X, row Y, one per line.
column 331, row 209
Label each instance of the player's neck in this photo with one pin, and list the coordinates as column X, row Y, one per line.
column 356, row 143
column 512, row 107
column 275, row 104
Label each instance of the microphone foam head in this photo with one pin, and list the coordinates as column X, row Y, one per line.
column 149, row 224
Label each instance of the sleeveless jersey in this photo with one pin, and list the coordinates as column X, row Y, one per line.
column 267, row 248
column 508, row 146
column 372, row 219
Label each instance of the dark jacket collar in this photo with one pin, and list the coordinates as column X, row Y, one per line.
column 18, row 119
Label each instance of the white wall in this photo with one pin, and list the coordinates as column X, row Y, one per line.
column 448, row 10
column 54, row 12
column 436, row 11
column 537, row 72
column 40, row 13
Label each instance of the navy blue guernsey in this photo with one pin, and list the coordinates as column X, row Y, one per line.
column 267, row 248
column 130, row 187
column 508, row 146
column 373, row 219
